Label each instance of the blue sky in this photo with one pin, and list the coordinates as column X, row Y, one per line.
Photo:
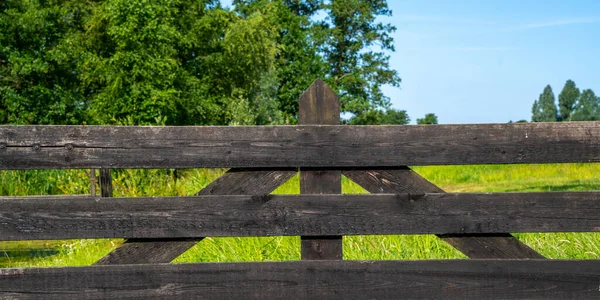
column 486, row 61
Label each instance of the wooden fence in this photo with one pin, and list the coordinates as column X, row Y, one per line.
column 158, row 229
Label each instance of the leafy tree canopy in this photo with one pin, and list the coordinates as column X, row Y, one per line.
column 378, row 117
column 428, row 119
column 587, row 107
column 544, row 109
column 178, row 62
column 567, row 99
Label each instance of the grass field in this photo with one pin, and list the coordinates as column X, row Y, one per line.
column 132, row 183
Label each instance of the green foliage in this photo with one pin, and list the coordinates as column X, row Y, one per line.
column 298, row 63
column 428, row 119
column 177, row 61
column 347, row 50
column 357, row 71
column 187, row 62
column 38, row 77
column 378, row 117
column 544, row 109
column 587, row 107
column 43, row 182
column 573, row 105
column 567, row 100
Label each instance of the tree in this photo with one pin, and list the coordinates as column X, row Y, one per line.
column 428, row 119
column 38, row 78
column 544, row 109
column 347, row 49
column 395, row 117
column 587, row 108
column 187, row 62
column 378, row 117
column 184, row 62
column 357, row 69
column 567, row 100
column 297, row 62
column 168, row 62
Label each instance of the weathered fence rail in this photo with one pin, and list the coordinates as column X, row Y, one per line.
column 34, row 147
column 284, row 215
column 158, row 229
column 337, row 280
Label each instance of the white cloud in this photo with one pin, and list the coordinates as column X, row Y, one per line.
column 462, row 49
column 554, row 23
column 506, row 25
column 440, row 19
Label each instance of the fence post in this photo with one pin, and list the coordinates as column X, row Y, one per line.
column 319, row 105
column 93, row 182
column 106, row 188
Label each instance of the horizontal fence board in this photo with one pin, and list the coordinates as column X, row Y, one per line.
column 39, row 147
column 451, row 279
column 308, row 215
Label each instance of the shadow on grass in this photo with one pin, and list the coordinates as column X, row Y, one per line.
column 558, row 188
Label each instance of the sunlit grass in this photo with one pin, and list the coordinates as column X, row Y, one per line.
column 136, row 183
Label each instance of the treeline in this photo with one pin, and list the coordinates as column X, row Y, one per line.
column 191, row 62
column 573, row 105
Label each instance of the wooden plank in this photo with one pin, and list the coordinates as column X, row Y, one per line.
column 37, row 147
column 320, row 105
column 333, row 280
column 405, row 180
column 234, row 181
column 106, row 186
column 147, row 251
column 93, row 182
column 248, row 182
column 308, row 215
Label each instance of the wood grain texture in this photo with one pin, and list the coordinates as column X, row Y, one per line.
column 39, row 147
column 92, row 175
column 320, row 105
column 234, row 181
column 147, row 251
column 309, row 215
column 332, row 280
column 479, row 246
column 106, row 186
column 248, row 182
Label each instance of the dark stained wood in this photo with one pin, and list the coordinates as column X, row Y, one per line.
column 147, row 251
column 37, row 147
column 391, row 181
column 405, row 180
column 234, row 181
column 321, row 248
column 496, row 245
column 106, row 187
column 248, row 182
column 308, row 215
column 332, row 280
column 320, row 105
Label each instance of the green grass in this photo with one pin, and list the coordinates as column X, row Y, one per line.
column 134, row 183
